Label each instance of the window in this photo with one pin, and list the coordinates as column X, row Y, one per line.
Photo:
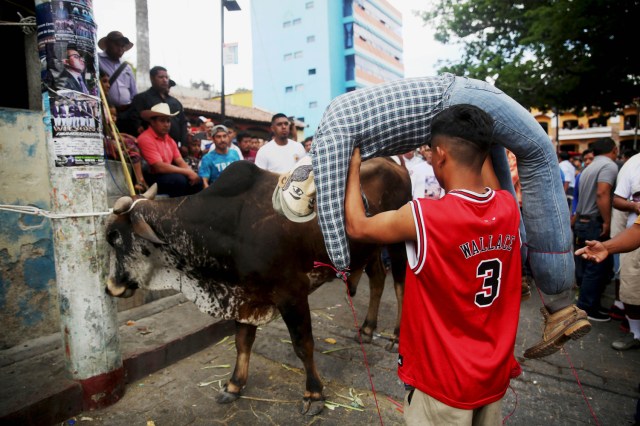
column 311, row 39
column 288, row 89
column 348, row 35
column 299, row 87
column 312, row 71
column 298, row 54
column 288, row 56
column 286, row 24
column 309, row 5
column 313, row 104
column 297, row 21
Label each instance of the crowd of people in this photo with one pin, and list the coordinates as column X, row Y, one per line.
column 167, row 149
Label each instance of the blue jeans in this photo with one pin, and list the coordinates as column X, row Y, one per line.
column 591, row 277
column 173, row 184
column 544, row 205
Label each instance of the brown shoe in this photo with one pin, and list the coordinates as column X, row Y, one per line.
column 568, row 323
column 526, row 289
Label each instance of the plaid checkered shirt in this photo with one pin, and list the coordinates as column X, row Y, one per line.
column 382, row 120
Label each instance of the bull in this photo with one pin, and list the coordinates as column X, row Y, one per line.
column 231, row 254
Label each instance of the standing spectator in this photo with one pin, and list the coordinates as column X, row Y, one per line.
column 231, row 130
column 173, row 176
column 461, row 305
column 280, row 154
column 626, row 198
column 569, row 172
column 159, row 93
column 418, row 170
column 432, row 187
column 121, row 77
column 216, row 160
column 593, row 222
column 587, row 158
column 244, row 143
column 307, row 143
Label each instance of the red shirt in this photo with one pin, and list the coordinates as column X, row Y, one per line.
column 156, row 149
column 462, row 298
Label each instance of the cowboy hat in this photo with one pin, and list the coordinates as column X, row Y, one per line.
column 114, row 36
column 295, row 195
column 158, row 110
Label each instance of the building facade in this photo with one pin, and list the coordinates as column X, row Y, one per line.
column 305, row 53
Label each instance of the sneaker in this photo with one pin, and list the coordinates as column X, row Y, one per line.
column 627, row 342
column 559, row 327
column 526, row 289
column 616, row 313
column 624, row 326
column 599, row 317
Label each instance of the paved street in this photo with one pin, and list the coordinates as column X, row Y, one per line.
column 547, row 393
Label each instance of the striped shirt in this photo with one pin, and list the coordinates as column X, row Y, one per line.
column 382, row 120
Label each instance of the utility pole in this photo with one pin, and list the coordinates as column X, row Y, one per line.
column 88, row 317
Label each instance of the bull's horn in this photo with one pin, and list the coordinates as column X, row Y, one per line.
column 115, row 289
column 151, row 193
column 123, row 204
column 142, row 228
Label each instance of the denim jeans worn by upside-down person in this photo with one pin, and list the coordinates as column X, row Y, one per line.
column 544, row 204
column 592, row 277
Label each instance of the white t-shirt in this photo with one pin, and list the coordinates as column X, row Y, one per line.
column 418, row 170
column 628, row 184
column 432, row 187
column 279, row 158
column 569, row 172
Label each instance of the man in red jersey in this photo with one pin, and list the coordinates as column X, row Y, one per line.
column 462, row 294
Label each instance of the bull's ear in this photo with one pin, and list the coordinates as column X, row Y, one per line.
column 142, row 228
column 123, row 204
column 151, row 193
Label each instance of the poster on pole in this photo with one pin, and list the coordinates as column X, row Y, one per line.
column 66, row 36
column 230, row 53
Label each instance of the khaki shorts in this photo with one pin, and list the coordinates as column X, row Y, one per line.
column 630, row 277
column 425, row 410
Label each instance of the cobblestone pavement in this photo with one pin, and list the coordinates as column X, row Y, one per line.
column 547, row 393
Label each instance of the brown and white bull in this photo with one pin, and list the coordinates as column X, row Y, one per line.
column 230, row 253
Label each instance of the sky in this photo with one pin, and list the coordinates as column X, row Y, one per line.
column 184, row 37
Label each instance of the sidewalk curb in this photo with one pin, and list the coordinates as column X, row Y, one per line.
column 36, row 389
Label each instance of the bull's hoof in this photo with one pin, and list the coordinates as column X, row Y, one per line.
column 366, row 338
column 312, row 407
column 392, row 346
column 225, row 397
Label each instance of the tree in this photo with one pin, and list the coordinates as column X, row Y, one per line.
column 569, row 54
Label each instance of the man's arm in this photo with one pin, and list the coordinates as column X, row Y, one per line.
column 625, row 205
column 385, row 228
column 625, row 241
column 603, row 201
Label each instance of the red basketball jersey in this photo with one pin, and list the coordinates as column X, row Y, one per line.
column 462, row 298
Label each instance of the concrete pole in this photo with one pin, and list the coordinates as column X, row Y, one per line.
column 88, row 317
column 142, row 45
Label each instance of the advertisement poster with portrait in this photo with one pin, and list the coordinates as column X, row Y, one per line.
column 67, row 48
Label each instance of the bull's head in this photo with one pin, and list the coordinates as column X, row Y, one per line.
column 129, row 264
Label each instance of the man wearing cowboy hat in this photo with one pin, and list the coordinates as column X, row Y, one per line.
column 167, row 168
column 159, row 93
column 121, row 77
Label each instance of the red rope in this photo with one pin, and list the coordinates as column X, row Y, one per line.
column 343, row 276
column 515, row 406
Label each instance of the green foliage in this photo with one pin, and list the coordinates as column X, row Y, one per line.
column 570, row 54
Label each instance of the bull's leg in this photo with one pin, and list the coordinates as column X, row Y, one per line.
column 297, row 317
column 399, row 272
column 245, row 336
column 377, row 274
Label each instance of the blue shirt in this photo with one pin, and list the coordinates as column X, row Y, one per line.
column 213, row 163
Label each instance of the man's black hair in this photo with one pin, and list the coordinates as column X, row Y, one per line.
column 229, row 124
column 276, row 116
column 587, row 151
column 564, row 155
column 155, row 70
column 629, row 152
column 470, row 127
column 603, row 146
column 242, row 135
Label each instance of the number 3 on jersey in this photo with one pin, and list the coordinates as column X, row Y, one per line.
column 490, row 271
